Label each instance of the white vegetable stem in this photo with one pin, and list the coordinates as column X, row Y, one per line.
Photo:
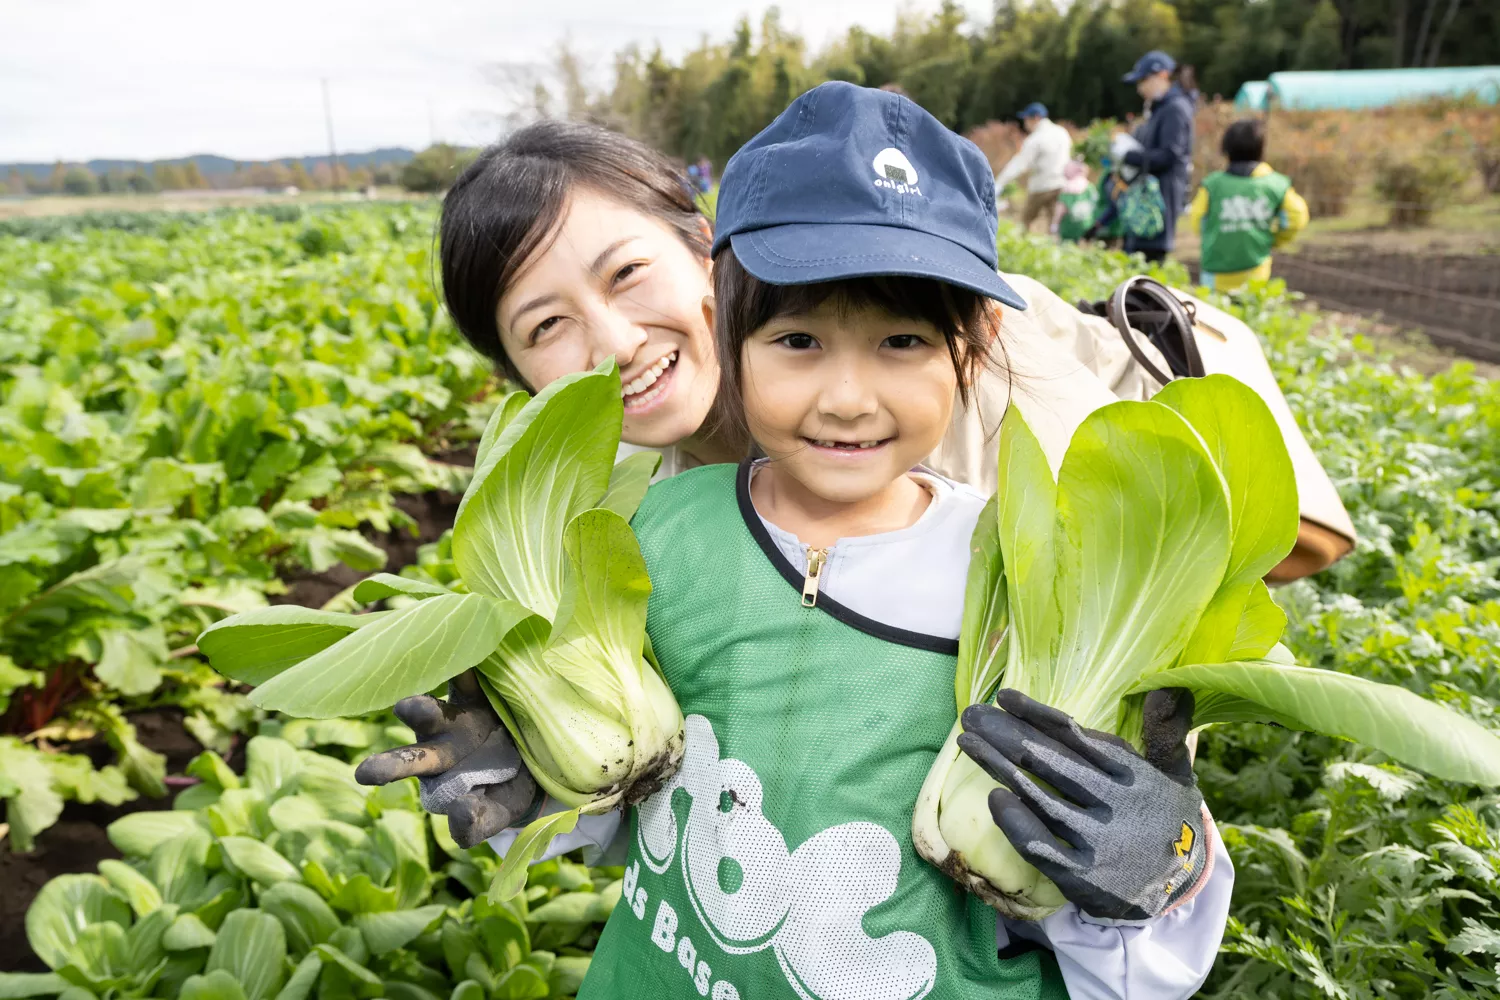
column 1106, row 574
column 1141, row 567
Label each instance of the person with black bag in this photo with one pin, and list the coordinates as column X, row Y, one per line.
column 1155, row 161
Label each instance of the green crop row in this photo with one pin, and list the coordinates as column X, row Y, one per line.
column 291, row 881
column 1357, row 879
column 192, row 410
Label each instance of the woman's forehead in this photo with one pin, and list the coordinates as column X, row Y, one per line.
column 589, row 230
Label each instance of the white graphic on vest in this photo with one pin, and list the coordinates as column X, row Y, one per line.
column 1242, row 213
column 893, row 170
column 807, row 905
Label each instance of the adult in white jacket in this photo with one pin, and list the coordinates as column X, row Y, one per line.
column 1047, row 149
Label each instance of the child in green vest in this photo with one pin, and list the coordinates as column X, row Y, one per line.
column 1244, row 212
column 805, row 611
column 1077, row 204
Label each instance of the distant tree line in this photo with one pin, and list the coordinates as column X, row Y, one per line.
column 78, row 179
column 1070, row 56
column 435, row 168
column 432, row 170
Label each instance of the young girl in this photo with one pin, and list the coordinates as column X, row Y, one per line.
column 806, row 606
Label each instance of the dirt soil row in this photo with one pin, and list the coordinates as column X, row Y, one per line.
column 77, row 842
column 1453, row 298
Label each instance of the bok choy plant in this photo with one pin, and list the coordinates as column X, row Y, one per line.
column 1139, row 566
column 289, row 882
column 551, row 609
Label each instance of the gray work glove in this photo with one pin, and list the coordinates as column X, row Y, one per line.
column 1125, row 837
column 468, row 766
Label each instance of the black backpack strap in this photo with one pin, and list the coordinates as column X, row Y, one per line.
column 1145, row 304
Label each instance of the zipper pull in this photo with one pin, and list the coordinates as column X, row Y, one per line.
column 816, row 560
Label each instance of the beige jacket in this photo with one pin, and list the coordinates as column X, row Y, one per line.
column 1059, row 365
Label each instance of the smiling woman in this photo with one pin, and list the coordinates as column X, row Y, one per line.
column 568, row 244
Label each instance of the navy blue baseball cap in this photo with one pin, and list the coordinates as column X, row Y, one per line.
column 850, row 182
column 1152, row 62
column 1036, row 109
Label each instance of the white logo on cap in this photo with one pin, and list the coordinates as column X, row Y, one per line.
column 893, row 170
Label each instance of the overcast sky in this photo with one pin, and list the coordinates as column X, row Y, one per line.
column 81, row 79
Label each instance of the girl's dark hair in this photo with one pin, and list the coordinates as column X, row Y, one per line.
column 1244, row 141
column 744, row 304
column 506, row 206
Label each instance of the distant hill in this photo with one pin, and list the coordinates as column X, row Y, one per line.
column 210, row 164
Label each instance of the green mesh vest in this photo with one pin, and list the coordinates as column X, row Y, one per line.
column 1078, row 213
column 1237, row 229
column 778, row 862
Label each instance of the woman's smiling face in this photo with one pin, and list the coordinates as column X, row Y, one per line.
column 615, row 281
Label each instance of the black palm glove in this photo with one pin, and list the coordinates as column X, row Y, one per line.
column 1123, row 836
column 469, row 767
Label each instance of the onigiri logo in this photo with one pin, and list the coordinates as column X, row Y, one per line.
column 894, row 171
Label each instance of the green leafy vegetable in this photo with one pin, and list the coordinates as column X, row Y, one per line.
column 64, row 908
column 255, row 646
column 554, row 617
column 251, row 947
column 407, row 652
column 1140, row 561
column 1405, row 727
column 326, row 907
column 192, row 412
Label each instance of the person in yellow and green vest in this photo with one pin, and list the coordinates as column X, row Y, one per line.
column 1244, row 212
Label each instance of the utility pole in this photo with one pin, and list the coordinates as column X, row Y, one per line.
column 333, row 152
column 431, row 126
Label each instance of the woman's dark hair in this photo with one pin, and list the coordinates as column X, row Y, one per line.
column 744, row 304
column 505, row 208
column 1244, row 141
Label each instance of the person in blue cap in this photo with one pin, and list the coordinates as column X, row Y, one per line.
column 1042, row 157
column 805, row 609
column 1162, row 160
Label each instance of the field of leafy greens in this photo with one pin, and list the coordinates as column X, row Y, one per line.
column 196, row 411
column 191, row 411
column 292, row 876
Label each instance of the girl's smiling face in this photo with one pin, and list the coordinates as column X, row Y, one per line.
column 846, row 401
column 612, row 280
